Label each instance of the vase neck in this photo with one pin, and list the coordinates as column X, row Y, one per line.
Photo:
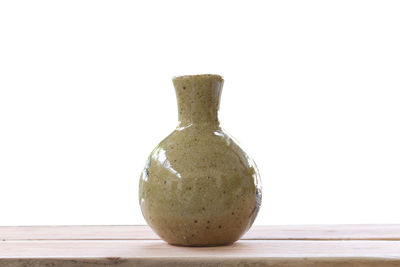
column 198, row 99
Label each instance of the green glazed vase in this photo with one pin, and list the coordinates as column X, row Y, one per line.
column 199, row 188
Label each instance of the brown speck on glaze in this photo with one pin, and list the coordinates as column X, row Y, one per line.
column 199, row 155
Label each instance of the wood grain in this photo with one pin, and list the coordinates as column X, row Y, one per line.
column 288, row 246
column 157, row 248
column 257, row 232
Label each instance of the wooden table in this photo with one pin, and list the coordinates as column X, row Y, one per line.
column 287, row 246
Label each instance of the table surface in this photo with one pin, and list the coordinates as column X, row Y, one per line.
column 301, row 245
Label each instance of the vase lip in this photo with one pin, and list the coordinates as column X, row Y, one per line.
column 199, row 77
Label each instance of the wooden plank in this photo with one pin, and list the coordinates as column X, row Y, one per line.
column 141, row 232
column 157, row 253
column 326, row 232
column 98, row 232
column 123, row 246
column 207, row 262
column 158, row 248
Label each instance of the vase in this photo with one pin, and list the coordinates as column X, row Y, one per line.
column 198, row 187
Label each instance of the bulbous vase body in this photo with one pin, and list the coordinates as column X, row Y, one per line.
column 199, row 188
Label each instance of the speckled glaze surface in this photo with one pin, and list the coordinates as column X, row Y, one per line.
column 199, row 188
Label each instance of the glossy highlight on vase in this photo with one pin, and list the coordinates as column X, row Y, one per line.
column 198, row 187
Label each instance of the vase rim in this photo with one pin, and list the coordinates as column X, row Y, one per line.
column 198, row 76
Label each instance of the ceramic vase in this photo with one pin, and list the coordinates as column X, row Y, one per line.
column 198, row 187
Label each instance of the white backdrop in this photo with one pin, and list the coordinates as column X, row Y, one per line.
column 312, row 92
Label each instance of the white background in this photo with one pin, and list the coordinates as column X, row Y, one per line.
column 312, row 92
